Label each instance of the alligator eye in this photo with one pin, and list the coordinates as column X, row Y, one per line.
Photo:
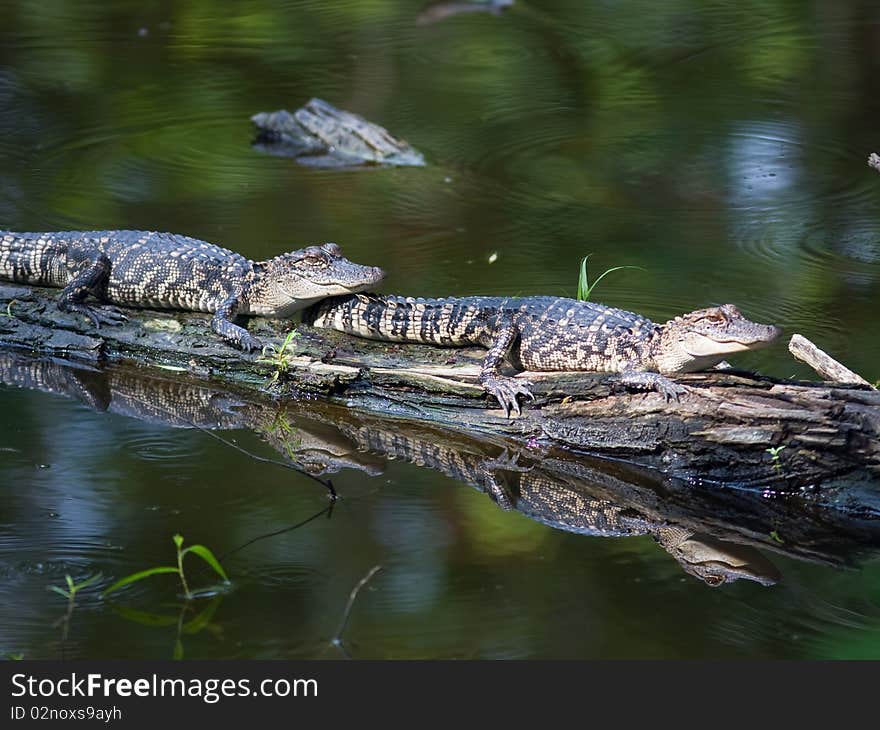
column 713, row 580
column 715, row 318
column 313, row 260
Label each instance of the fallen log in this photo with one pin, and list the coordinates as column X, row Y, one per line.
column 731, row 429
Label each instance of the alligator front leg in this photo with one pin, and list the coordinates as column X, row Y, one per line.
column 92, row 277
column 653, row 381
column 503, row 388
column 233, row 334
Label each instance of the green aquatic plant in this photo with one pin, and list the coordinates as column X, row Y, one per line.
column 585, row 289
column 774, row 452
column 200, row 550
column 70, row 595
column 74, row 588
column 280, row 358
column 8, row 312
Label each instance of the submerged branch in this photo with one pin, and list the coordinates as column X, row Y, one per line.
column 352, row 597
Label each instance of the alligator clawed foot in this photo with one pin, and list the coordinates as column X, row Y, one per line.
column 671, row 391
column 654, row 381
column 248, row 343
column 506, row 391
column 109, row 315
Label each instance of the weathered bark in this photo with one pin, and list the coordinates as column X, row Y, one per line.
column 827, row 367
column 719, row 433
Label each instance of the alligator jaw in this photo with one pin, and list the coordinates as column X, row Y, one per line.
column 701, row 339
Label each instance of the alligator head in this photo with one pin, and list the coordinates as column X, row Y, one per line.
column 292, row 281
column 701, row 339
column 715, row 561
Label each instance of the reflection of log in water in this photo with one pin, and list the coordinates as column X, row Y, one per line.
column 714, row 534
column 718, row 434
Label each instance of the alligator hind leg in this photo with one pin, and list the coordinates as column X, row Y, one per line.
column 503, row 388
column 92, row 278
column 233, row 334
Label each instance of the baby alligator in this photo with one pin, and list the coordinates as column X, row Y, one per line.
column 549, row 333
column 170, row 271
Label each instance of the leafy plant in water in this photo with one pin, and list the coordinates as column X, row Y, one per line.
column 74, row 588
column 280, row 358
column 585, row 289
column 200, row 550
column 774, row 452
column 70, row 595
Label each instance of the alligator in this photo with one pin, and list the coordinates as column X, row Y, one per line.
column 320, row 135
column 550, row 333
column 172, row 271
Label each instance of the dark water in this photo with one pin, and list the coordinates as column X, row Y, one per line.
column 719, row 146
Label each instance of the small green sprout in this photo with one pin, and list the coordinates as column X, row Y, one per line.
column 70, row 595
column 585, row 289
column 774, row 535
column 279, row 357
column 200, row 550
column 774, row 452
column 73, row 588
column 8, row 312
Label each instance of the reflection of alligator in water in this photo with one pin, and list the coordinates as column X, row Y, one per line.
column 320, row 135
column 713, row 534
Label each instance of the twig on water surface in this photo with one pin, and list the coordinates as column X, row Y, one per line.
column 337, row 639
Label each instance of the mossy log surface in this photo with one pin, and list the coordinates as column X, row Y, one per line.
column 718, row 433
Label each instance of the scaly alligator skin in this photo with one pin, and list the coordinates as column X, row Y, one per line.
column 549, row 333
column 171, row 271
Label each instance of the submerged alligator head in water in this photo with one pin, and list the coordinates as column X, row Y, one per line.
column 320, row 135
